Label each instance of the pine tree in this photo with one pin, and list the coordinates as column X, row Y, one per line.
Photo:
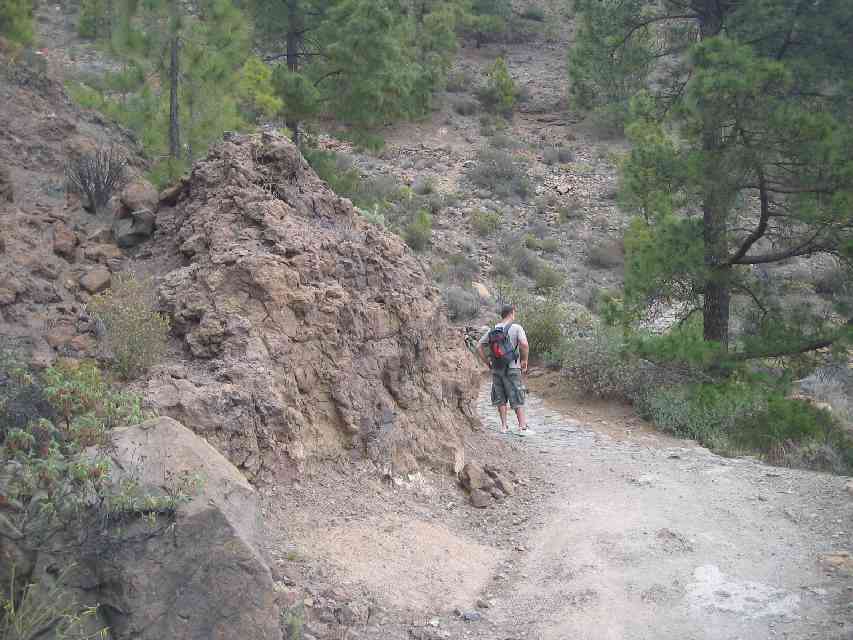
column 16, row 20
column 742, row 156
column 487, row 19
column 364, row 62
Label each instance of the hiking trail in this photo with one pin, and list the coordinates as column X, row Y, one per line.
column 646, row 537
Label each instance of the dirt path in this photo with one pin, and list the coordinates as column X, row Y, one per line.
column 649, row 538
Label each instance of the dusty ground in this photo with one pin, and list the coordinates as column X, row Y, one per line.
column 617, row 533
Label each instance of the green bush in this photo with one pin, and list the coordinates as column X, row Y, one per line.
column 465, row 106
column 16, row 20
column 566, row 214
column 549, row 245
column 462, row 303
column 336, row 169
column 499, row 172
column 44, row 455
column 601, row 365
column 788, row 429
column 504, row 141
column 486, row 223
column 419, row 231
column 136, row 334
column 93, row 19
column 547, row 277
column 498, row 95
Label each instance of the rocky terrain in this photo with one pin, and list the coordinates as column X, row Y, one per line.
column 351, row 489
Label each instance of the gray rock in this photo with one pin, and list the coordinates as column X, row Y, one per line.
column 206, row 579
column 474, row 477
column 136, row 229
column 472, row 616
column 480, row 499
column 96, row 280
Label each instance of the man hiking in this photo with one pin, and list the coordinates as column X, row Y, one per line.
column 504, row 349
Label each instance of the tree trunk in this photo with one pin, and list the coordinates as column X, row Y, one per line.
column 717, row 289
column 294, row 37
column 174, row 75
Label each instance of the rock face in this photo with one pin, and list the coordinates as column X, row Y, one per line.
column 206, row 580
column 323, row 333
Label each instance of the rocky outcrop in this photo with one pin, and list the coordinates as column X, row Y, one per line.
column 203, row 580
column 322, row 333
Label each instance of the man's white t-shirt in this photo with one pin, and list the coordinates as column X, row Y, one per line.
column 516, row 337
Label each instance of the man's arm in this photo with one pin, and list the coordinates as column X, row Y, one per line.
column 524, row 352
column 481, row 351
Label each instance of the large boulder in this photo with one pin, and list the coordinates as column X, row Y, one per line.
column 136, row 229
column 324, row 334
column 139, row 194
column 205, row 579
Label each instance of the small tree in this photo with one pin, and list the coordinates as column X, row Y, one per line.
column 96, row 176
column 499, row 93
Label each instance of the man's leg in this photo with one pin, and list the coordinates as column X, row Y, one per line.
column 522, row 420
column 502, row 412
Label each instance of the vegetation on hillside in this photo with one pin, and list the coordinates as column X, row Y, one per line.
column 739, row 115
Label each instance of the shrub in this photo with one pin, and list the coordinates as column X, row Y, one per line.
column 550, row 245
column 545, row 202
column 26, row 615
column 503, row 268
column 96, row 176
column 608, row 254
column 462, row 303
column 835, row 281
column 786, row 425
column 503, row 141
column 462, row 269
column 548, row 277
column 566, row 214
column 537, row 14
column 16, row 20
column 554, row 154
column 543, row 319
column 600, row 365
column 498, row 94
column 491, row 124
column 423, row 185
column 486, row 223
column 337, row 170
column 459, row 82
column 465, row 106
column 135, row 333
column 498, row 172
column 92, row 21
column 525, row 262
column 373, row 215
column 419, row 231
column 44, row 462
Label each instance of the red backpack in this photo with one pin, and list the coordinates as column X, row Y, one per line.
column 503, row 353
